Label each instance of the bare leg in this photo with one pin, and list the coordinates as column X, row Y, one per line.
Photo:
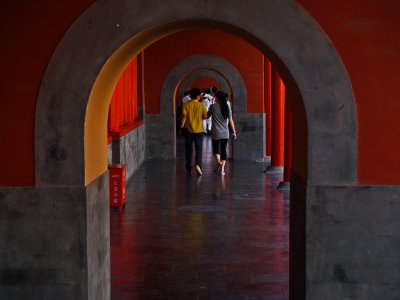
column 224, row 142
column 223, row 162
column 218, row 161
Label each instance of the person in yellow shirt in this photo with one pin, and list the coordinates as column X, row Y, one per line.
column 193, row 114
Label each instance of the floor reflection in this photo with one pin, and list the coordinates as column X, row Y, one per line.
column 209, row 237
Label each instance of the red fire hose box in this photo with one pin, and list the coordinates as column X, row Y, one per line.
column 117, row 185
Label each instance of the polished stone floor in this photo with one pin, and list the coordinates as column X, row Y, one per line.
column 208, row 237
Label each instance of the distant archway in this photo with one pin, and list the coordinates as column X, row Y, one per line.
column 161, row 144
column 187, row 81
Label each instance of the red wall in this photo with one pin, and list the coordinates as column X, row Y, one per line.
column 163, row 55
column 367, row 36
column 365, row 32
column 205, row 82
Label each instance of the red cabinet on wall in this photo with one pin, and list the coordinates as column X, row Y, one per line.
column 117, row 185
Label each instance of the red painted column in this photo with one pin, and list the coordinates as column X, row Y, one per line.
column 278, row 123
column 267, row 105
column 288, row 146
column 288, row 141
column 140, row 87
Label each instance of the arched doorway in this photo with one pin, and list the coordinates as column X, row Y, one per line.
column 155, row 137
column 72, row 107
column 204, row 73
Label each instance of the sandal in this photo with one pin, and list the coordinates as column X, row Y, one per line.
column 217, row 167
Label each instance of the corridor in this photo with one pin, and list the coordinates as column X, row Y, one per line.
column 209, row 237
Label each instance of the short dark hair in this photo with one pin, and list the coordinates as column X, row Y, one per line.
column 214, row 89
column 194, row 93
column 186, row 93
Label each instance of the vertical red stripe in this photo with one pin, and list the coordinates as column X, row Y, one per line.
column 267, row 105
column 140, row 82
column 288, row 141
column 278, row 120
column 124, row 102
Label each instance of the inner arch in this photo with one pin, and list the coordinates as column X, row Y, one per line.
column 196, row 74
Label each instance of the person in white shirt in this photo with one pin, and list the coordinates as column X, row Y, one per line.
column 186, row 97
column 207, row 101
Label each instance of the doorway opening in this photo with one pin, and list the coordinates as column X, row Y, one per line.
column 325, row 134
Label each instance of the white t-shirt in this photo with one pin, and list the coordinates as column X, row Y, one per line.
column 206, row 101
column 210, row 98
column 186, row 99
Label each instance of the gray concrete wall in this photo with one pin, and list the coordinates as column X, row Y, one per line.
column 352, row 242
column 141, row 154
column 45, row 236
column 43, row 243
column 109, row 150
column 250, row 144
column 129, row 150
column 160, row 137
column 98, row 239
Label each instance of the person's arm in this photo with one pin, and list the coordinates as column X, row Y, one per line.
column 204, row 116
column 183, row 120
column 209, row 111
column 233, row 128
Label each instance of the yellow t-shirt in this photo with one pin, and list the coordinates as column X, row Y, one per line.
column 194, row 111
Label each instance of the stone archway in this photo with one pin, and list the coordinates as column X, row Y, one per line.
column 196, row 74
column 161, row 144
column 186, row 66
column 76, row 90
column 298, row 48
